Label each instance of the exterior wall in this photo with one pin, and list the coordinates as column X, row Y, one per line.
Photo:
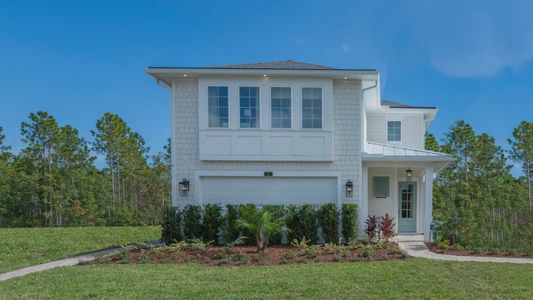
column 412, row 129
column 346, row 141
column 380, row 206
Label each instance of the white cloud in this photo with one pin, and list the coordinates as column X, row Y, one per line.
column 346, row 48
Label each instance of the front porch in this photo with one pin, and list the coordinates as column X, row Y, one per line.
column 399, row 181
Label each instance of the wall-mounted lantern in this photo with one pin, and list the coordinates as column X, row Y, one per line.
column 184, row 187
column 349, row 188
column 409, row 174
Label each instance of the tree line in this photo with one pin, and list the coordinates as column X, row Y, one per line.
column 53, row 180
column 476, row 201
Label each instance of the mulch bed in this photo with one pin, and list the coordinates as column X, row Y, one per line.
column 249, row 255
column 453, row 250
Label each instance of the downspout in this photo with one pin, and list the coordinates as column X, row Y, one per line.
column 363, row 128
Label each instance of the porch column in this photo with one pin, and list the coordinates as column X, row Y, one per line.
column 428, row 205
column 363, row 203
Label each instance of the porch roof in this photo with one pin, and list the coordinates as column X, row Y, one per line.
column 386, row 152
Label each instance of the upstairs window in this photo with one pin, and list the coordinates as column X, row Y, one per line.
column 249, row 107
column 218, row 106
column 281, row 107
column 394, row 131
column 311, row 108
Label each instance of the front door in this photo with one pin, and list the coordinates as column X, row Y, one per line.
column 407, row 207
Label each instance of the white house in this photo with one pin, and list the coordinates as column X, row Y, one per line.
column 288, row 132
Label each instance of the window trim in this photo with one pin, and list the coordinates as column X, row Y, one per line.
column 229, row 108
column 321, row 107
column 292, row 110
column 258, row 108
column 387, row 130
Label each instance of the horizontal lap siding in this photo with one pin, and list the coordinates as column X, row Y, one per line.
column 346, row 140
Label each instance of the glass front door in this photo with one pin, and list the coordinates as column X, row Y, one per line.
column 407, row 207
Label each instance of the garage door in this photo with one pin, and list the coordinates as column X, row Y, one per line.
column 269, row 190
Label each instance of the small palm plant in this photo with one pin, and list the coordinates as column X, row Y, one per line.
column 261, row 224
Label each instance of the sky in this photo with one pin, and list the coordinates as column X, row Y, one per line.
column 80, row 59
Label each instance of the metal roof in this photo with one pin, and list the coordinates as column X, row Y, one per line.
column 379, row 151
column 394, row 104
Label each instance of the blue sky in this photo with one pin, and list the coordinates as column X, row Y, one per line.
column 77, row 60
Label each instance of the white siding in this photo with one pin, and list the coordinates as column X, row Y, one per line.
column 412, row 129
column 346, row 141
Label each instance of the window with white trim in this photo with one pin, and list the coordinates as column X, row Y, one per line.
column 311, row 107
column 249, row 107
column 281, row 107
column 218, row 106
column 394, row 131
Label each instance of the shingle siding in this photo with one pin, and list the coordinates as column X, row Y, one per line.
column 346, row 140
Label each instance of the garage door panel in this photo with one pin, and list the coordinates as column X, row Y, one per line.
column 269, row 190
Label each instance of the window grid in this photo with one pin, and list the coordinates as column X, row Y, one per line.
column 394, row 131
column 249, row 107
column 407, row 202
column 218, row 106
column 281, row 107
column 311, row 107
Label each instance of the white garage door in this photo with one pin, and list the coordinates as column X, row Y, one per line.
column 269, row 190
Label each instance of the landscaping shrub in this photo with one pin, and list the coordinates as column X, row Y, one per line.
column 229, row 225
column 386, row 226
column 260, row 225
column 349, row 221
column 247, row 212
column 277, row 213
column 192, row 222
column 170, row 225
column 301, row 222
column 371, row 226
column 211, row 222
column 328, row 218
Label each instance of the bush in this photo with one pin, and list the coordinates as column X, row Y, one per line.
column 386, row 226
column 349, row 221
column 229, row 224
column 260, row 225
column 328, row 218
column 301, row 222
column 192, row 222
column 211, row 222
column 170, row 225
column 371, row 226
column 277, row 213
column 247, row 211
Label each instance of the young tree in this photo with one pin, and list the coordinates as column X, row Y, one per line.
column 522, row 152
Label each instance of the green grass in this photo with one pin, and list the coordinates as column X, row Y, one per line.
column 22, row 247
column 413, row 278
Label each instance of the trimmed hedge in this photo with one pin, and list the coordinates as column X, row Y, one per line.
column 301, row 221
column 328, row 218
column 170, row 225
column 192, row 222
column 349, row 221
column 211, row 222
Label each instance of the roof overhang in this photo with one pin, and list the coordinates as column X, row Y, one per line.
column 167, row 74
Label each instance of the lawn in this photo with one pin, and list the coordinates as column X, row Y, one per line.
column 22, row 247
column 412, row 278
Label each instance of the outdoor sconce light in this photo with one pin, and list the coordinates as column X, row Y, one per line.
column 184, row 187
column 349, row 188
column 409, row 174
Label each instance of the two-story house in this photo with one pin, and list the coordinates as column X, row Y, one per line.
column 287, row 132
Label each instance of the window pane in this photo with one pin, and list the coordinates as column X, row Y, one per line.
column 218, row 106
column 311, row 108
column 249, row 102
column 281, row 107
column 394, row 131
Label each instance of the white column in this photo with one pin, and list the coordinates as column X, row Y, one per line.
column 428, row 205
column 363, row 203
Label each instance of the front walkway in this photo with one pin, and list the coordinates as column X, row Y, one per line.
column 59, row 263
column 415, row 246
